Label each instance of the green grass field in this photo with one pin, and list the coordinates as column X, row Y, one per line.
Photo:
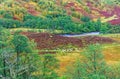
column 35, row 30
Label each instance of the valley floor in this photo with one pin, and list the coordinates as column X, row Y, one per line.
column 67, row 54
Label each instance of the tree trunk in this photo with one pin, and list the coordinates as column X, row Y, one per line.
column 4, row 70
column 17, row 63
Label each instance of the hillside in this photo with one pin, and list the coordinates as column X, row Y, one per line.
column 107, row 10
column 59, row 39
column 65, row 16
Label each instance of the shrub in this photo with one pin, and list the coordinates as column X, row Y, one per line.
column 85, row 18
column 76, row 14
column 8, row 15
column 9, row 23
column 114, row 29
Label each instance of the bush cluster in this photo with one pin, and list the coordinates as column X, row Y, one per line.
column 60, row 22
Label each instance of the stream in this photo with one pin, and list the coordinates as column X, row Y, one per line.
column 79, row 35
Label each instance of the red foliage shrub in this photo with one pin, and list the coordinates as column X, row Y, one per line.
column 51, row 41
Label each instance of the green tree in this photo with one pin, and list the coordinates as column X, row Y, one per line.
column 19, row 58
column 98, row 24
column 85, row 18
column 94, row 62
column 91, row 66
column 22, row 46
column 104, row 28
column 114, row 71
column 49, row 65
column 5, row 50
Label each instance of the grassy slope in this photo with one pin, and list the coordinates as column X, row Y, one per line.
column 94, row 9
column 34, row 30
column 111, row 53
